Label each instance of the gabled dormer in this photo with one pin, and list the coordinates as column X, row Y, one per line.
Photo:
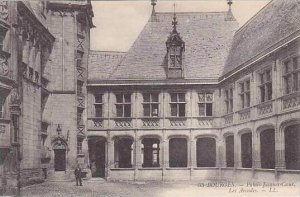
column 175, row 52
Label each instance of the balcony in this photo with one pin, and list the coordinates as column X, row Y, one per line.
column 265, row 108
column 177, row 121
column 244, row 114
column 123, row 123
column 290, row 101
column 150, row 122
column 228, row 119
column 206, row 122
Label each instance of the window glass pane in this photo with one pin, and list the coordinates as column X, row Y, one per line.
column 288, row 84
column 226, row 95
column 261, row 76
column 201, row 109
column 248, row 85
column 119, row 110
column 127, row 110
column 242, row 87
column 262, row 93
column 98, row 110
column 247, row 99
column 287, row 66
column 154, row 97
column 231, row 106
column 242, row 101
column 269, row 91
column 127, row 98
column 146, row 109
column 181, row 97
column 209, row 97
column 98, row 98
column 208, row 109
column 201, row 97
column 268, row 75
column 295, row 63
column 231, row 93
column 154, row 110
column 173, row 109
column 295, row 80
column 173, row 97
column 146, row 97
column 119, row 98
column 182, row 109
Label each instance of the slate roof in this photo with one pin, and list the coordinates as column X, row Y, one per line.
column 207, row 37
column 103, row 63
column 276, row 21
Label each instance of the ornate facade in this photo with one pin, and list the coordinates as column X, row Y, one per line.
column 44, row 50
column 196, row 97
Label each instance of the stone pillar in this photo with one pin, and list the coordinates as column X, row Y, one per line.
column 237, row 151
column 165, row 155
column 256, row 162
column 279, row 150
column 193, row 156
column 110, row 156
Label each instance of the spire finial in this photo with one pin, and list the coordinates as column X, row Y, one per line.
column 174, row 22
column 229, row 15
column 153, row 14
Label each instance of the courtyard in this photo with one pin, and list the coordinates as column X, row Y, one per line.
column 159, row 189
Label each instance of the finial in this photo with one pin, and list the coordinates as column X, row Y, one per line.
column 229, row 15
column 174, row 22
column 153, row 14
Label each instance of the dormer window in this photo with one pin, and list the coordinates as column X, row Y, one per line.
column 175, row 50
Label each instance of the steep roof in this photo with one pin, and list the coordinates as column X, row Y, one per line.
column 207, row 38
column 102, row 63
column 266, row 30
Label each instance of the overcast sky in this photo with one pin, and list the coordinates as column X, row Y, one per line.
column 118, row 23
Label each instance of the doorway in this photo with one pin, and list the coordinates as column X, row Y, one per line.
column 97, row 156
column 59, row 159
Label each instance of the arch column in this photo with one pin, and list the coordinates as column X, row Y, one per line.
column 237, row 151
column 279, row 149
column 256, row 160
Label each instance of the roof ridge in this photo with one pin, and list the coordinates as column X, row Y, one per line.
column 253, row 17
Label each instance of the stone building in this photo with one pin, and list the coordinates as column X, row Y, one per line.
column 196, row 97
column 44, row 55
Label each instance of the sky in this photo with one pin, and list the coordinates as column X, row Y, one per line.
column 118, row 23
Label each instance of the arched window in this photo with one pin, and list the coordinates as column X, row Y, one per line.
column 246, row 149
column 150, row 149
column 178, row 152
column 123, row 152
column 229, row 140
column 267, row 148
column 206, row 152
column 292, row 147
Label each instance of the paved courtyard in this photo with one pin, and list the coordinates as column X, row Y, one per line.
column 153, row 189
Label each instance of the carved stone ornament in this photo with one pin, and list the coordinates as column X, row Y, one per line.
column 15, row 97
column 4, row 10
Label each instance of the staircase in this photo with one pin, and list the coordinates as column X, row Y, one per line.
column 60, row 176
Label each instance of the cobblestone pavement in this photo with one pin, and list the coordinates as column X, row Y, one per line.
column 147, row 189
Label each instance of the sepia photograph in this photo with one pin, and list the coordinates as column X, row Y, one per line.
column 150, row 98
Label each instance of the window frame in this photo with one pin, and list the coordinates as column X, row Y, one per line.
column 123, row 104
column 205, row 102
column 265, row 85
column 96, row 103
column 292, row 74
column 244, row 93
column 228, row 99
column 178, row 103
column 151, row 104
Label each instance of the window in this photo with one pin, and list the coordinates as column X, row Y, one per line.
column 229, row 100
column 205, row 104
column 177, row 104
column 291, row 75
column 150, row 152
column 15, row 131
column 123, row 105
column 267, row 149
column 2, row 101
column 245, row 94
column 79, row 87
column 265, row 86
column 2, row 36
column 246, row 148
column 79, row 57
column 150, row 104
column 30, row 73
column 229, row 151
column 292, row 150
column 123, row 152
column 79, row 146
column 98, row 105
column 206, row 152
column 79, row 117
column 178, row 152
column 175, row 57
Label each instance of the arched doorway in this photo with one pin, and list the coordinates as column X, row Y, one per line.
column 60, row 150
column 97, row 156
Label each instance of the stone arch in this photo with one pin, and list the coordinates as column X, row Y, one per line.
column 60, row 148
column 206, row 150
